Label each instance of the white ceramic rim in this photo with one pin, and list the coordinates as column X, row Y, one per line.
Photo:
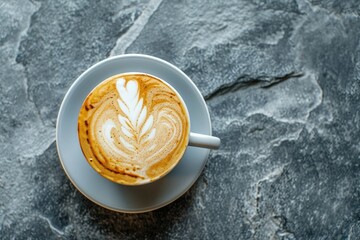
column 77, row 81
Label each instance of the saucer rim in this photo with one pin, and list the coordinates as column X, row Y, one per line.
column 62, row 112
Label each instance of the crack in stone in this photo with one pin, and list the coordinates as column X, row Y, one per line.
column 281, row 221
column 52, row 227
column 246, row 81
column 39, row 114
column 272, row 176
column 134, row 31
column 256, row 129
column 22, row 37
column 134, row 16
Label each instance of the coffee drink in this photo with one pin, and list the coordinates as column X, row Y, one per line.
column 133, row 128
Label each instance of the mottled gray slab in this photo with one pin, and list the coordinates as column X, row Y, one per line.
column 282, row 82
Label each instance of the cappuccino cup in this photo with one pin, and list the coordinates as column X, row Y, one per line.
column 134, row 128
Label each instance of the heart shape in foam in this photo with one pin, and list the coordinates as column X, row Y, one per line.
column 133, row 128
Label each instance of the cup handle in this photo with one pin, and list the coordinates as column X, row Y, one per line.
column 204, row 141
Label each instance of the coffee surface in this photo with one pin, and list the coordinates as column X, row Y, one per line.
column 133, row 128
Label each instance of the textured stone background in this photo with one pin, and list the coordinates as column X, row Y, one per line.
column 281, row 79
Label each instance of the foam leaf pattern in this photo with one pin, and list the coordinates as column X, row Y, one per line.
column 136, row 125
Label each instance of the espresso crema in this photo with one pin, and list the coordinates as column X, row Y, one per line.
column 133, row 128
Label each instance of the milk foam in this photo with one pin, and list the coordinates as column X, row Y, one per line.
column 106, row 129
column 135, row 134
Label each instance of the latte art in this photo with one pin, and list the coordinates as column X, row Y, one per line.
column 133, row 128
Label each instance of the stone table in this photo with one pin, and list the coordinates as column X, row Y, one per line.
column 282, row 82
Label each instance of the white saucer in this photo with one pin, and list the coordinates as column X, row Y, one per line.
column 117, row 197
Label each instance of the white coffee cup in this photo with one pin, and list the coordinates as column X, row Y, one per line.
column 191, row 139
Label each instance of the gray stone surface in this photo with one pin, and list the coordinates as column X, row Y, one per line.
column 282, row 82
